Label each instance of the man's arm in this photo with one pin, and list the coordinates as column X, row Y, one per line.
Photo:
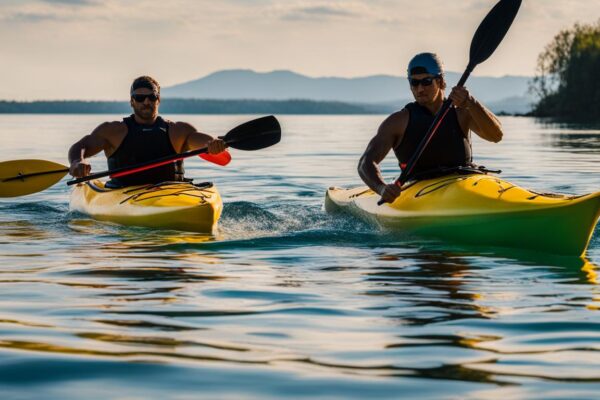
column 185, row 137
column 88, row 146
column 389, row 134
column 478, row 118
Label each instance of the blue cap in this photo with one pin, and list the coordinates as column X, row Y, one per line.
column 425, row 63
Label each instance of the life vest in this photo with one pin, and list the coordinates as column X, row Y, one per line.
column 144, row 143
column 448, row 148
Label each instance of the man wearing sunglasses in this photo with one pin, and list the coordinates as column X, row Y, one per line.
column 402, row 131
column 141, row 137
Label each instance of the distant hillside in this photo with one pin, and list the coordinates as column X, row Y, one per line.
column 283, row 85
column 285, row 92
column 509, row 105
column 512, row 105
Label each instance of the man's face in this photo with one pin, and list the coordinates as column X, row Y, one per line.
column 425, row 87
column 145, row 103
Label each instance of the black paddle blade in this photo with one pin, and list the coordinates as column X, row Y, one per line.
column 254, row 135
column 492, row 30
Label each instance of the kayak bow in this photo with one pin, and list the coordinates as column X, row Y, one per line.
column 479, row 209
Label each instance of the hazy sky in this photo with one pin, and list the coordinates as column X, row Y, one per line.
column 92, row 49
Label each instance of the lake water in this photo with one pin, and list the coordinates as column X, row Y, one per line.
column 286, row 301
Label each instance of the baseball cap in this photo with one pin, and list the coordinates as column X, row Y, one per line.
column 425, row 63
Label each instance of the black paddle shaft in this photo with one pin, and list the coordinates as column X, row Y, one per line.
column 22, row 177
column 488, row 36
column 252, row 135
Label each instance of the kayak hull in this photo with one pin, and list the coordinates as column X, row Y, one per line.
column 169, row 205
column 479, row 209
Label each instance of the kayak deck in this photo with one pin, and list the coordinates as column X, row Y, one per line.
column 168, row 205
column 479, row 209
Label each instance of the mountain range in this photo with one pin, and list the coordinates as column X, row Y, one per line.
column 378, row 92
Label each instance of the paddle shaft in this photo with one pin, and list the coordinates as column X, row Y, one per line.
column 488, row 36
column 437, row 121
column 252, row 135
column 115, row 173
column 25, row 176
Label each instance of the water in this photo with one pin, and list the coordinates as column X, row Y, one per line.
column 286, row 301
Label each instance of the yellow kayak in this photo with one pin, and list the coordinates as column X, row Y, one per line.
column 479, row 209
column 168, row 205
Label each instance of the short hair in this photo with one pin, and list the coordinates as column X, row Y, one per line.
column 147, row 82
column 442, row 79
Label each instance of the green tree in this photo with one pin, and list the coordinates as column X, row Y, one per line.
column 567, row 80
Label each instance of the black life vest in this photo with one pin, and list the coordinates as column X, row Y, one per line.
column 448, row 148
column 144, row 143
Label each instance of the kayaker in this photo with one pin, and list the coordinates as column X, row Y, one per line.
column 402, row 131
column 141, row 137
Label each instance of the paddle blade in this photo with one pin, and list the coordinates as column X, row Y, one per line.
column 492, row 30
column 254, row 135
column 22, row 177
column 222, row 159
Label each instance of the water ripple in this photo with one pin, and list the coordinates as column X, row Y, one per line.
column 286, row 301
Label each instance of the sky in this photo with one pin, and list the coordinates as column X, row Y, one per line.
column 92, row 49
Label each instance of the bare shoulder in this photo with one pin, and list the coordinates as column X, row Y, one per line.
column 181, row 128
column 110, row 128
column 395, row 124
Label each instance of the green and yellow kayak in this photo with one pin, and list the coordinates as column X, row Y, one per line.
column 169, row 205
column 479, row 209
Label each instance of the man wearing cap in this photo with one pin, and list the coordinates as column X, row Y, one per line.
column 402, row 131
column 141, row 137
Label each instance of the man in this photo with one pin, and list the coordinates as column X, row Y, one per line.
column 141, row 137
column 402, row 131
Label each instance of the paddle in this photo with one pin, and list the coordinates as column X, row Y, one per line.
column 252, row 135
column 488, row 36
column 222, row 159
column 22, row 177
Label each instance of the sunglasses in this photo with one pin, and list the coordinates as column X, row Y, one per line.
column 424, row 82
column 140, row 98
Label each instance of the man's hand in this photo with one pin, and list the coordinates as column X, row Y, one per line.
column 80, row 168
column 216, row 146
column 389, row 193
column 461, row 97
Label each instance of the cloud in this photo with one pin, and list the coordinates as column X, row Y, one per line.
column 40, row 11
column 321, row 12
column 37, row 12
column 32, row 17
column 72, row 2
column 55, row 45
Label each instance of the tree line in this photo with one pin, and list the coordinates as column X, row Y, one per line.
column 566, row 83
column 189, row 106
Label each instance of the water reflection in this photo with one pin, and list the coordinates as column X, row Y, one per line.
column 431, row 290
column 573, row 269
column 284, row 289
column 150, row 325
column 588, row 142
column 18, row 231
column 434, row 288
